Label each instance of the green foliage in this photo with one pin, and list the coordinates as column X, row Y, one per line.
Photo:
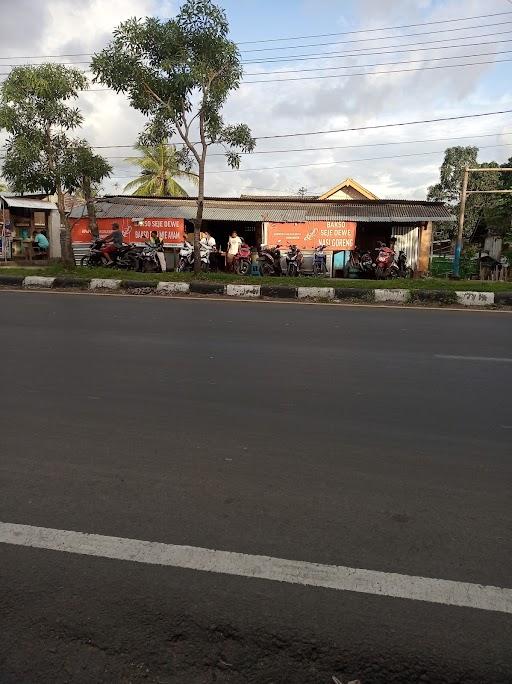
column 179, row 74
column 493, row 210
column 82, row 168
column 160, row 165
column 36, row 112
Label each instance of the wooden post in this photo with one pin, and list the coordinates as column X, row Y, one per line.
column 424, row 248
column 460, row 234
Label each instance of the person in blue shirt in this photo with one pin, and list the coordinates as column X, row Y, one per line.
column 40, row 240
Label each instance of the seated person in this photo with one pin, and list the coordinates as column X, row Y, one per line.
column 40, row 240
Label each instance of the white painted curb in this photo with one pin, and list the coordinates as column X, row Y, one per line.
column 104, row 284
column 38, row 281
column 475, row 298
column 164, row 286
column 243, row 290
column 315, row 292
column 392, row 295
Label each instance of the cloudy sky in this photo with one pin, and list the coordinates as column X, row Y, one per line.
column 392, row 162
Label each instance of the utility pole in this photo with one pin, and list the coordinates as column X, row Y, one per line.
column 460, row 234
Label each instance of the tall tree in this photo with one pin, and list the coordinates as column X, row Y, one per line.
column 160, row 166
column 179, row 73
column 35, row 111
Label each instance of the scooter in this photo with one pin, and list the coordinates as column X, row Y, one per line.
column 242, row 261
column 186, row 260
column 270, row 260
column 150, row 259
column 399, row 269
column 384, row 262
column 294, row 261
column 319, row 261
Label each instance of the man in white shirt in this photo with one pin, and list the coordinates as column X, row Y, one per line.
column 234, row 243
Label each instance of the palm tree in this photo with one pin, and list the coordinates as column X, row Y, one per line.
column 160, row 167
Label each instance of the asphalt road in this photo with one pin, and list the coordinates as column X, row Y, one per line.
column 336, row 435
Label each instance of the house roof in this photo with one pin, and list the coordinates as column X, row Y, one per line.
column 17, row 202
column 274, row 210
column 349, row 183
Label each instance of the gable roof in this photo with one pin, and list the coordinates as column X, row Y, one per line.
column 349, row 183
column 267, row 209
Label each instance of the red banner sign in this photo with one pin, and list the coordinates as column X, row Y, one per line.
column 335, row 235
column 169, row 230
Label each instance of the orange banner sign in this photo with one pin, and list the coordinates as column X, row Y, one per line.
column 335, row 235
column 169, row 230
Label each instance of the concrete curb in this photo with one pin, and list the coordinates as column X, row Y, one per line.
column 104, row 284
column 38, row 281
column 255, row 291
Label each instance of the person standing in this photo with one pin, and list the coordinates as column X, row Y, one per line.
column 234, row 244
column 158, row 243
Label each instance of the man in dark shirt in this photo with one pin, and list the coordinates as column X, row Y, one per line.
column 113, row 242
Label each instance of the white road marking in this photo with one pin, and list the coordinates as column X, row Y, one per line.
column 456, row 357
column 337, row 577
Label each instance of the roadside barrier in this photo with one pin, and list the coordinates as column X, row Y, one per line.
column 250, row 291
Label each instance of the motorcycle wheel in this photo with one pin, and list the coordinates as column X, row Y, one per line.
column 244, row 267
column 266, row 269
column 292, row 270
column 379, row 273
column 85, row 261
column 132, row 263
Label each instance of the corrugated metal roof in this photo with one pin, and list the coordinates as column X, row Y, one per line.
column 276, row 210
column 16, row 202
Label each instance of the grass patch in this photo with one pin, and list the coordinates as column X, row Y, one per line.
column 301, row 281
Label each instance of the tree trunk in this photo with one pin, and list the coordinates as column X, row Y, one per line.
column 91, row 208
column 65, row 231
column 199, row 218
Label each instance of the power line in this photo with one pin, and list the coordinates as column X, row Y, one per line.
column 342, row 130
column 334, row 163
column 89, row 54
column 347, row 130
column 324, row 55
column 376, row 73
column 353, row 66
column 372, row 30
column 363, row 52
column 381, row 38
column 349, row 161
column 357, row 73
column 348, row 147
column 317, row 35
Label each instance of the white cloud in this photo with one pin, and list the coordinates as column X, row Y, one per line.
column 61, row 26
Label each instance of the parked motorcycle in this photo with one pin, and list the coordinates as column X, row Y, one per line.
column 294, row 261
column 319, row 261
column 186, row 260
column 270, row 260
column 361, row 264
column 384, row 262
column 242, row 261
column 399, row 269
column 148, row 259
column 204, row 254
